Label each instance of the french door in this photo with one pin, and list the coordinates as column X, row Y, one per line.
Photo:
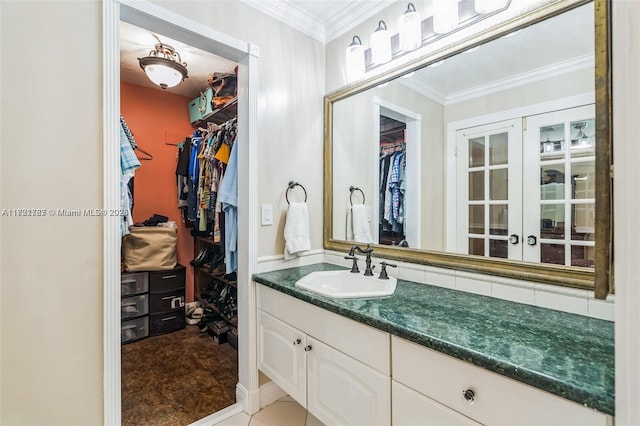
column 526, row 188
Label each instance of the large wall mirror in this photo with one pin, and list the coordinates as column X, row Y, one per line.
column 489, row 156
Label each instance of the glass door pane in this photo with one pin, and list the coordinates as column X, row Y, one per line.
column 559, row 165
column 489, row 189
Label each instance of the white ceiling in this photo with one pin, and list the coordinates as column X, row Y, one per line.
column 558, row 44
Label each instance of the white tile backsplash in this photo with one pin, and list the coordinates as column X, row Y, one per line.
column 575, row 303
column 514, row 293
column 566, row 299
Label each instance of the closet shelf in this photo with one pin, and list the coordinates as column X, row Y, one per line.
column 205, row 270
column 220, row 115
column 233, row 321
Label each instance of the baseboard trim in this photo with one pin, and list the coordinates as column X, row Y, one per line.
column 270, row 393
column 219, row 416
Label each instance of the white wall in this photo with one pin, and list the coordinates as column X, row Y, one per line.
column 51, row 273
column 51, row 130
column 290, row 126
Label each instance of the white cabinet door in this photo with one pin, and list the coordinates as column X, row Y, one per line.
column 410, row 408
column 281, row 356
column 343, row 391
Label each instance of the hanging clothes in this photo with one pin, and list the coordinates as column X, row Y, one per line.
column 228, row 197
column 128, row 165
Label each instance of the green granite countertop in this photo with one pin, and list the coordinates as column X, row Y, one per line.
column 565, row 354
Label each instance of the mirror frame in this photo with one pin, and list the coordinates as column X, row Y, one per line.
column 599, row 279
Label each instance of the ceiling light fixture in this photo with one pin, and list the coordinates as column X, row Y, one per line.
column 410, row 29
column 164, row 66
column 381, row 44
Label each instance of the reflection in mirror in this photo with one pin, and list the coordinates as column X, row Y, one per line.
column 490, row 152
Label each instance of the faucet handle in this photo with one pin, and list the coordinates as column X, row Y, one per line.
column 354, row 267
column 383, row 271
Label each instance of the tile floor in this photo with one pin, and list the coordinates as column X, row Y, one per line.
column 284, row 412
column 176, row 378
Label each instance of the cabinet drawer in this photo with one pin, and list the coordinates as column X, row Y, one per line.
column 498, row 400
column 134, row 306
column 163, row 281
column 164, row 302
column 364, row 343
column 135, row 329
column 134, row 283
column 409, row 408
column 166, row 322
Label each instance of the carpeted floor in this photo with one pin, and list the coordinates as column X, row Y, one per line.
column 177, row 378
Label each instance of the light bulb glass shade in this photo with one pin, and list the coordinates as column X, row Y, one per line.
column 355, row 59
column 488, row 6
column 445, row 15
column 163, row 71
column 410, row 29
column 381, row 44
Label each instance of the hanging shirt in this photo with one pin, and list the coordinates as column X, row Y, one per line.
column 228, row 197
column 128, row 164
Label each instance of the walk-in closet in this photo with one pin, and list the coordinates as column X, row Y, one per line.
column 179, row 309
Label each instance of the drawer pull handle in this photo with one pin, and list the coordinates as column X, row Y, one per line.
column 297, row 342
column 469, row 395
column 169, row 318
column 168, row 297
column 168, row 277
column 307, row 348
column 129, row 282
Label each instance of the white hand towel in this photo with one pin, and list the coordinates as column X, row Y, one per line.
column 361, row 226
column 296, row 231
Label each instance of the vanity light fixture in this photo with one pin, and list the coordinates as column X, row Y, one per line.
column 355, row 59
column 410, row 29
column 445, row 15
column 488, row 6
column 381, row 44
column 163, row 66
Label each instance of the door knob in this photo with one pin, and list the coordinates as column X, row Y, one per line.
column 514, row 239
column 532, row 240
column 297, row 342
column 307, row 348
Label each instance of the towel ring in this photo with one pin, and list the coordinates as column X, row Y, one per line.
column 292, row 185
column 352, row 189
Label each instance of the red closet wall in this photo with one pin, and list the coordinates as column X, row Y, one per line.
column 156, row 116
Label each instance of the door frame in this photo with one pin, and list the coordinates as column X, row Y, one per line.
column 413, row 151
column 176, row 26
column 453, row 127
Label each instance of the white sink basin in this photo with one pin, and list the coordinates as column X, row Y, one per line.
column 344, row 284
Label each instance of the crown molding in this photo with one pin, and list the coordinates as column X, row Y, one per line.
column 297, row 18
column 291, row 15
column 538, row 74
column 352, row 16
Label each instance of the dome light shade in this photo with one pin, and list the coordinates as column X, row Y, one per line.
column 381, row 44
column 163, row 66
column 410, row 29
column 355, row 59
column 445, row 15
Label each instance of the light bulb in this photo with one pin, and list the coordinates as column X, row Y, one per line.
column 410, row 29
column 381, row 44
column 355, row 59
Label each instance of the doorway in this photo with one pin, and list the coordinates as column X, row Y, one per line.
column 175, row 26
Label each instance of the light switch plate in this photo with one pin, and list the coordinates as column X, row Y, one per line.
column 267, row 214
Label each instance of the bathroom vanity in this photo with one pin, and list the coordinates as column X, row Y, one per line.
column 431, row 355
